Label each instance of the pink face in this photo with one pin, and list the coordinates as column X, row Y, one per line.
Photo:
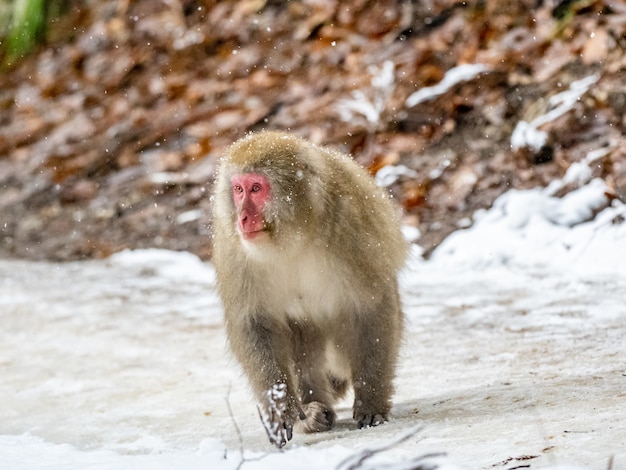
column 251, row 192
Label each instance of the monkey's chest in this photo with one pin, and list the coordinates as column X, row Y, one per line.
column 310, row 290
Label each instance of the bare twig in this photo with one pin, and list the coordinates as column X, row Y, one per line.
column 357, row 459
column 237, row 430
column 242, row 459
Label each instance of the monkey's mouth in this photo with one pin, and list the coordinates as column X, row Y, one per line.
column 253, row 234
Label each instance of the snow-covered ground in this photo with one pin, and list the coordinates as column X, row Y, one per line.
column 514, row 356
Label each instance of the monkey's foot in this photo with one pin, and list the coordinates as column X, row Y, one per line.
column 318, row 418
column 369, row 420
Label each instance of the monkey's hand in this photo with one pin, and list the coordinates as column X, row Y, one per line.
column 279, row 415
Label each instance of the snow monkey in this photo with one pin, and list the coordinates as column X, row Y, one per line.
column 307, row 251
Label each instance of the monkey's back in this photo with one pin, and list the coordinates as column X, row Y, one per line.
column 365, row 223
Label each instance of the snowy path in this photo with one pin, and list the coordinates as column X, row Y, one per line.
column 122, row 364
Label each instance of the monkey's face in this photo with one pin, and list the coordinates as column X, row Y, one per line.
column 251, row 193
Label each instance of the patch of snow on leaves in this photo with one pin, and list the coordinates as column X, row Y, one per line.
column 581, row 232
column 411, row 233
column 527, row 134
column 389, row 174
column 454, row 76
column 370, row 105
column 578, row 173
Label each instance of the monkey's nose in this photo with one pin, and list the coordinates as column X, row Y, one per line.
column 249, row 223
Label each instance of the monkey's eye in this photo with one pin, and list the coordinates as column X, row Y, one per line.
column 237, row 188
column 256, row 188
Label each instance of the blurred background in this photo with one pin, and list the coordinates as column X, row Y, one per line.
column 114, row 112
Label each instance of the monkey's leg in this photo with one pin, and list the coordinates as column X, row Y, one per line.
column 338, row 385
column 374, row 354
column 264, row 350
column 315, row 389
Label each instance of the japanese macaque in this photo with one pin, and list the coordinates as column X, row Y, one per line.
column 307, row 251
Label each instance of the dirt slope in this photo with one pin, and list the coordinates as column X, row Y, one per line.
column 109, row 135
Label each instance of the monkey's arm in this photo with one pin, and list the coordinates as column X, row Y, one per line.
column 262, row 347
